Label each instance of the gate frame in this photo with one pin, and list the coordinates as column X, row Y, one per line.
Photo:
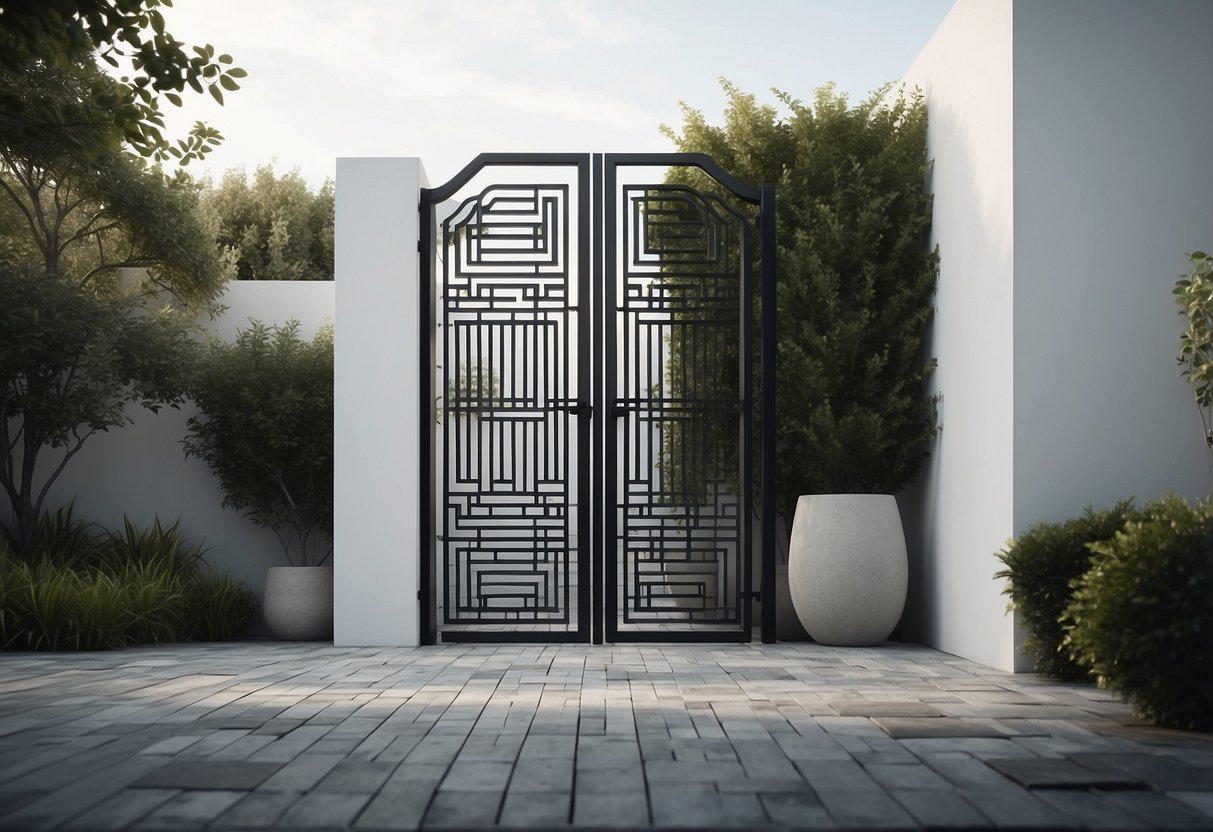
column 591, row 183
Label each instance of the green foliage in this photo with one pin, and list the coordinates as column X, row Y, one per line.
column 54, row 35
column 1143, row 615
column 83, row 217
column 70, row 364
column 85, row 589
column 1194, row 294
column 215, row 608
column 855, row 280
column 266, row 430
column 1041, row 566
column 275, row 228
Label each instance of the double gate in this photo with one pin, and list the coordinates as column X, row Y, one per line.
column 587, row 463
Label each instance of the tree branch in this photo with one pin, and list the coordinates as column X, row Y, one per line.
column 54, row 475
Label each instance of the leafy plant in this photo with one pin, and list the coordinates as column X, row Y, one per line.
column 266, row 430
column 1194, row 294
column 1143, row 615
column 87, row 589
column 856, row 278
column 83, row 216
column 157, row 547
column 71, row 363
column 215, row 608
column 275, row 228
column 1041, row 566
column 59, row 33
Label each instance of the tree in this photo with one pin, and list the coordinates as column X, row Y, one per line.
column 59, row 34
column 70, row 363
column 76, row 207
column 83, row 216
column 275, row 228
column 855, row 280
column 266, row 430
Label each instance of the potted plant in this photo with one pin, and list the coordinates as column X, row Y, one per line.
column 265, row 427
column 856, row 277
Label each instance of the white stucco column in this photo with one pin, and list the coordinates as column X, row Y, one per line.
column 378, row 320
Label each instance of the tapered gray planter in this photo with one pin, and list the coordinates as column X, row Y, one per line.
column 847, row 567
column 298, row 603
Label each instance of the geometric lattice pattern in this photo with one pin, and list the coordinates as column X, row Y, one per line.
column 679, row 532
column 594, row 417
column 506, row 412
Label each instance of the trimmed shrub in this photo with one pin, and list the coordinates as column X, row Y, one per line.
column 1041, row 566
column 1143, row 615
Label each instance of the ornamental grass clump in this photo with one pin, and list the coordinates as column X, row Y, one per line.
column 1041, row 565
column 1143, row 614
column 87, row 589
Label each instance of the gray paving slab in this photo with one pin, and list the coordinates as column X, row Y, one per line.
column 1039, row 773
column 279, row 736
column 864, row 707
column 235, row 775
column 936, row 809
column 1093, row 811
column 462, row 810
column 121, row 809
column 916, row 727
column 535, row 809
column 323, row 810
column 189, row 810
column 256, row 810
column 1159, row 810
column 1161, row 772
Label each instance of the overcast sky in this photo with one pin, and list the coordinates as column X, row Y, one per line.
column 447, row 80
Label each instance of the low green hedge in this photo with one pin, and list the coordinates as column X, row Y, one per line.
column 85, row 589
column 1143, row 614
column 1040, row 567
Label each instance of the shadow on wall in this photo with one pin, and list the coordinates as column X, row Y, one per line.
column 962, row 494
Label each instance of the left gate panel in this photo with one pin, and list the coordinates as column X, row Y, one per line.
column 509, row 427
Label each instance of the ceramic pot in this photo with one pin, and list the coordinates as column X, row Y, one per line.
column 847, row 567
column 298, row 603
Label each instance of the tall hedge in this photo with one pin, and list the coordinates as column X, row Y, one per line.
column 856, row 276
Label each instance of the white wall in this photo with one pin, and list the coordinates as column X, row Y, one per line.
column 140, row 471
column 1113, row 180
column 960, row 511
column 1072, row 173
column 378, row 399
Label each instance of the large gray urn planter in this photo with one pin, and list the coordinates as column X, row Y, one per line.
column 298, row 602
column 847, row 567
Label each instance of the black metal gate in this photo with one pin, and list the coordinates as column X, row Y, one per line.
column 588, row 427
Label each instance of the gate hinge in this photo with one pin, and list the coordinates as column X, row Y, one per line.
column 419, row 595
column 756, row 597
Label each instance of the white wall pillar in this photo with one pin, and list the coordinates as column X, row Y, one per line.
column 378, row 320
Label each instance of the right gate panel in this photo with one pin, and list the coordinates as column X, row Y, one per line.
column 677, row 428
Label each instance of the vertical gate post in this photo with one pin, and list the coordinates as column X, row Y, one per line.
column 376, row 500
column 767, row 242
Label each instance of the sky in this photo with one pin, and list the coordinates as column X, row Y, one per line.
column 447, row 80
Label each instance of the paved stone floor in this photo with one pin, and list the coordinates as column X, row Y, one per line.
column 300, row 736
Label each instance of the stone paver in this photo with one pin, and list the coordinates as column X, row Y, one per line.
column 278, row 736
